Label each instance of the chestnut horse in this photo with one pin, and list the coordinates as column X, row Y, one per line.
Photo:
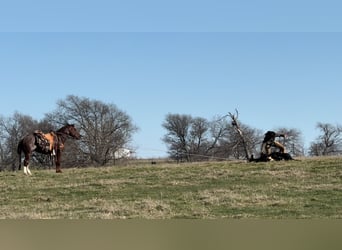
column 57, row 139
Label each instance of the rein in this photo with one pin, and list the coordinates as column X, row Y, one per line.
column 61, row 139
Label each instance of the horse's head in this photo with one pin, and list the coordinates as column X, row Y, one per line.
column 71, row 131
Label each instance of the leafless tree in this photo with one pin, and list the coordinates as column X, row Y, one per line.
column 177, row 137
column 242, row 141
column 239, row 141
column 329, row 142
column 232, row 146
column 198, row 137
column 12, row 129
column 191, row 138
column 219, row 129
column 104, row 128
column 194, row 139
column 293, row 141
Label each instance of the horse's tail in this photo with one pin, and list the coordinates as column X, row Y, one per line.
column 19, row 150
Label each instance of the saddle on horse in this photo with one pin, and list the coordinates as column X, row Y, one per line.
column 47, row 142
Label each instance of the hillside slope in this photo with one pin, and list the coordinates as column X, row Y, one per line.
column 310, row 188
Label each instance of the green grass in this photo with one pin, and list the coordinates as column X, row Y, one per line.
column 311, row 188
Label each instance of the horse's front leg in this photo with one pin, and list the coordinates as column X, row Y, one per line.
column 58, row 161
column 26, row 165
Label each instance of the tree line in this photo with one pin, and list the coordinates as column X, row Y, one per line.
column 106, row 130
column 195, row 138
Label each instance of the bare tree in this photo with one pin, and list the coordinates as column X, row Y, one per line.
column 198, row 137
column 219, row 129
column 242, row 138
column 105, row 129
column 12, row 129
column 239, row 140
column 177, row 137
column 293, row 141
column 194, row 139
column 232, row 146
column 316, row 149
column 329, row 142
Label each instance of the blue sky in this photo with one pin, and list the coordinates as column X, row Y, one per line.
column 170, row 15
column 278, row 65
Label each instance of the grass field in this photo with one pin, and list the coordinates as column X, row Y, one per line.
column 311, row 188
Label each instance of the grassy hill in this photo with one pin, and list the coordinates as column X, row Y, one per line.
column 311, row 188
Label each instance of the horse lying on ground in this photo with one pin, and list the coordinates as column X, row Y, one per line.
column 276, row 156
column 51, row 143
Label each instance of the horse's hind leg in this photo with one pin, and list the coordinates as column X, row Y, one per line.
column 26, row 165
column 58, row 161
column 27, row 170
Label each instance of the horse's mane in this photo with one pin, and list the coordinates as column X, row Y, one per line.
column 64, row 128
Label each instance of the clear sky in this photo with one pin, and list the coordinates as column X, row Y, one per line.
column 278, row 63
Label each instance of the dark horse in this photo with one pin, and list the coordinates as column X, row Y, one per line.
column 275, row 156
column 55, row 140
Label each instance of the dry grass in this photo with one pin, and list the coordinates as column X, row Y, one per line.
column 310, row 188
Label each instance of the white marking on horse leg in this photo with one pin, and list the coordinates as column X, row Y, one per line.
column 25, row 170
column 28, row 171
